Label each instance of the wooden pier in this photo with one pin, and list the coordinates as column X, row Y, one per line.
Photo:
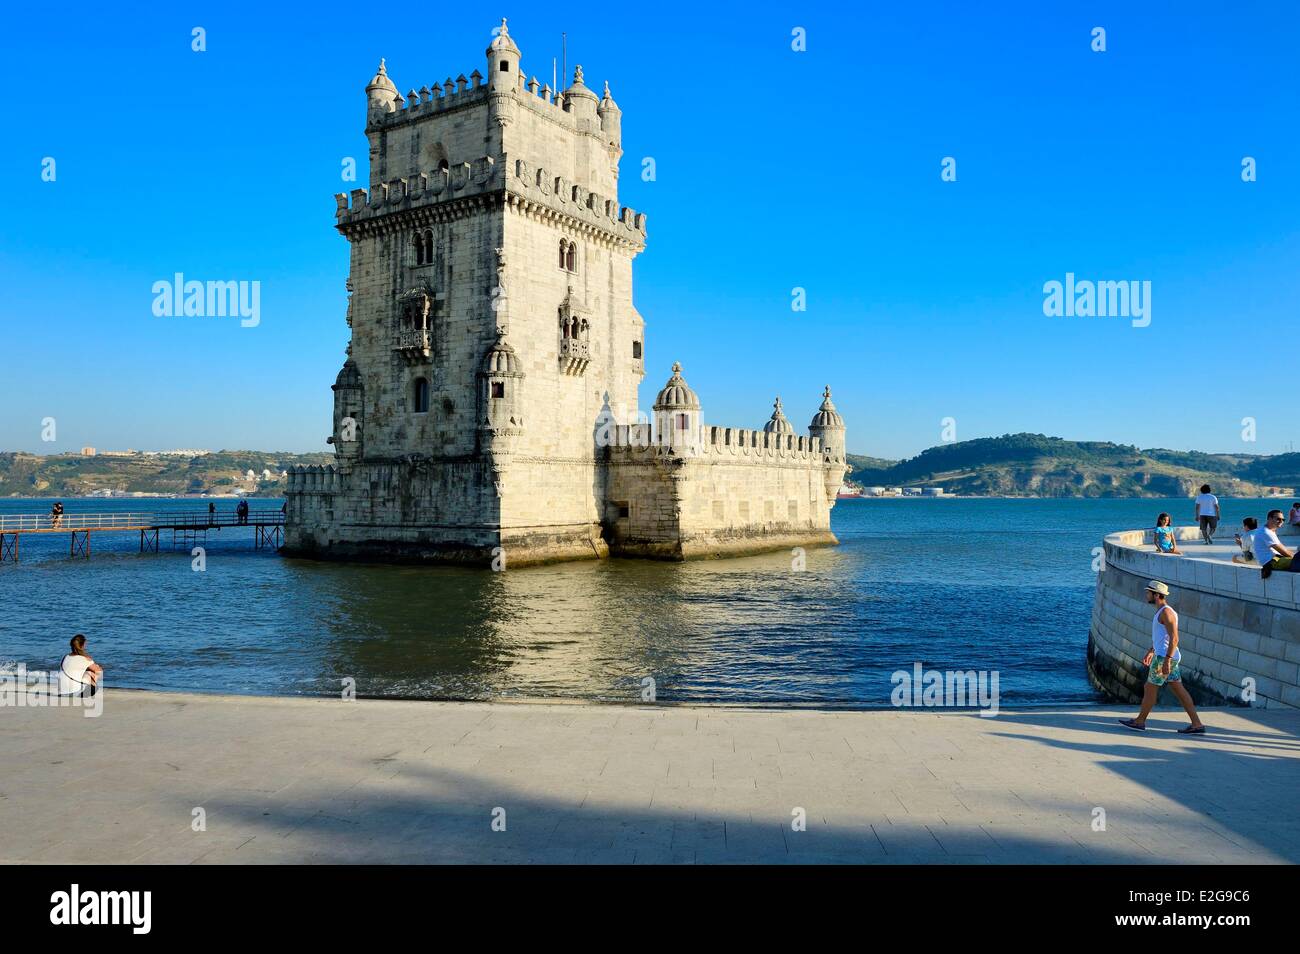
column 187, row 527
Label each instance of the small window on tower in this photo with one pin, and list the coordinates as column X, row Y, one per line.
column 498, row 389
column 636, row 350
column 420, row 396
column 683, row 421
column 505, row 66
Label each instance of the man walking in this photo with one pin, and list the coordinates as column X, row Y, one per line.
column 1162, row 662
column 1207, row 514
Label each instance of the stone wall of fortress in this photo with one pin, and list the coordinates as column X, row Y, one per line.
column 732, row 491
column 1233, row 625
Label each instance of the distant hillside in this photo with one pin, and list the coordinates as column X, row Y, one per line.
column 71, row 475
column 1034, row 465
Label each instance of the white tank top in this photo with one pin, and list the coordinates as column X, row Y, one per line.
column 1160, row 636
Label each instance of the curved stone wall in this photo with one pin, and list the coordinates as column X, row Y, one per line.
column 1233, row 625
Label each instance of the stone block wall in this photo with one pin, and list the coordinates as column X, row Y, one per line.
column 1232, row 624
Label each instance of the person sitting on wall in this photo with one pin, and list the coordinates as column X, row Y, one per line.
column 1166, row 541
column 78, row 673
column 1246, row 541
column 1268, row 548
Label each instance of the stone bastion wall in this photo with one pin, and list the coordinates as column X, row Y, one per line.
column 1233, row 625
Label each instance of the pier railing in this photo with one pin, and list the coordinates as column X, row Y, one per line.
column 33, row 522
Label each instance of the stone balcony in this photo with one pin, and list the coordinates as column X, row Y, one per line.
column 414, row 343
column 575, row 355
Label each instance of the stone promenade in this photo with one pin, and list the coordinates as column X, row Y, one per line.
column 312, row 780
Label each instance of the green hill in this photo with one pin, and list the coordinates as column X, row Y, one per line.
column 1040, row 466
column 71, row 475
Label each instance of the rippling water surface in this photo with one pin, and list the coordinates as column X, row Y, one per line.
column 955, row 584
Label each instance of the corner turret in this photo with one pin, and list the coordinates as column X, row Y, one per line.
column 611, row 126
column 503, row 62
column 677, row 412
column 582, row 103
column 829, row 426
column 381, row 94
column 500, row 417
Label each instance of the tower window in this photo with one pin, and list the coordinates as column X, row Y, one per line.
column 571, row 258
column 563, row 248
column 636, row 350
column 498, row 389
column 420, row 396
column 505, row 66
column 423, row 244
column 683, row 421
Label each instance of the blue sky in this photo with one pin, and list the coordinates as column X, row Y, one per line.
column 776, row 169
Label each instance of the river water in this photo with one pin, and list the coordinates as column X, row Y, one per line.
column 974, row 584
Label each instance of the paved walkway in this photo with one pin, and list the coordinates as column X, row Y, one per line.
column 310, row 780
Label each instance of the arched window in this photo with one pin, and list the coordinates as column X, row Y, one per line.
column 563, row 246
column 423, row 244
column 420, row 396
column 571, row 258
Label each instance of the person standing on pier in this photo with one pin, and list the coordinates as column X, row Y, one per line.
column 241, row 511
column 212, row 513
column 1162, row 661
column 56, row 514
column 1207, row 514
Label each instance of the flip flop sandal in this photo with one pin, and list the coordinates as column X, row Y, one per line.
column 1131, row 724
column 1192, row 730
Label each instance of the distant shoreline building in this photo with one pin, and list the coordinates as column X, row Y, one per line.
column 487, row 412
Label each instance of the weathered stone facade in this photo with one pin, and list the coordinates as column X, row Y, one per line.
column 487, row 411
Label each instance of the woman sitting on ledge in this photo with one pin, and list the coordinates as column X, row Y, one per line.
column 1164, row 536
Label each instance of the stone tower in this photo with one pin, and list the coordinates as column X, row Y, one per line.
column 487, row 410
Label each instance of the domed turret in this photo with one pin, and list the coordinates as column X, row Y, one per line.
column 829, row 426
column 611, row 124
column 778, row 423
column 500, row 413
column 349, row 402
column 381, row 94
column 501, row 359
column 582, row 102
column 503, row 61
column 677, row 412
column 826, row 416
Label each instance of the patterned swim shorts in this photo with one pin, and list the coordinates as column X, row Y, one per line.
column 1156, row 679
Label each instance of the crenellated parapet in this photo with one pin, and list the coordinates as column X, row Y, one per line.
column 430, row 196
column 314, row 479
column 721, row 443
column 451, row 95
column 532, row 190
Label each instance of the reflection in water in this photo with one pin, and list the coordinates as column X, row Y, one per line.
column 1001, row 585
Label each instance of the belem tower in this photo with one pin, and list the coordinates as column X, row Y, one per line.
column 487, row 411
